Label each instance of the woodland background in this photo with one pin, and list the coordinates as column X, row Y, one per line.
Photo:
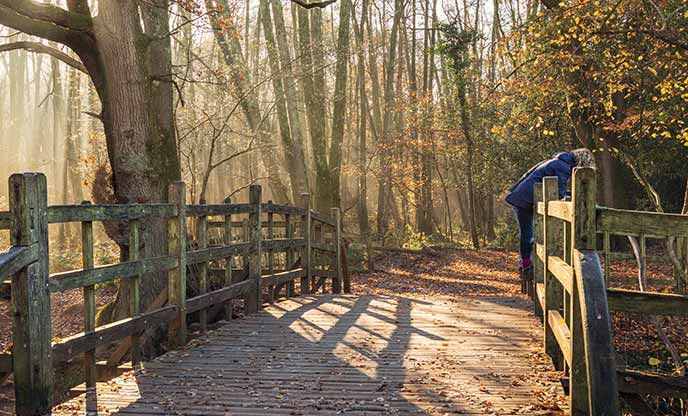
column 412, row 116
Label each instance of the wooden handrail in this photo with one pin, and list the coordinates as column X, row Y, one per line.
column 31, row 284
column 570, row 267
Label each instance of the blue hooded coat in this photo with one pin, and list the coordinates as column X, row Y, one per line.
column 561, row 166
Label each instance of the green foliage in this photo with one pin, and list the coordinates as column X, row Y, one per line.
column 455, row 44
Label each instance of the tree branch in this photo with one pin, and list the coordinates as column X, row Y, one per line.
column 49, row 13
column 38, row 47
column 11, row 18
column 320, row 4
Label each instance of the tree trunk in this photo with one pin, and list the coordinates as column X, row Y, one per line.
column 330, row 196
column 363, row 224
column 294, row 150
column 385, row 182
column 243, row 92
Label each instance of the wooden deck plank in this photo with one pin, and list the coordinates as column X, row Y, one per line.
column 367, row 355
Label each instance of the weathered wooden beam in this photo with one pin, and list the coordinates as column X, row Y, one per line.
column 647, row 303
column 221, row 209
column 252, row 299
column 603, row 393
column 271, row 257
column 540, row 295
column 636, row 223
column 553, row 291
column 290, row 287
column 89, row 313
column 206, row 300
column 31, row 327
column 283, row 244
column 560, row 209
column 112, row 212
column 221, row 224
column 103, row 335
column 561, row 271
column 561, row 333
column 176, row 234
column 60, row 282
column 539, row 263
column 17, row 258
column 583, row 238
column 217, row 253
column 282, row 209
column 202, row 240
column 338, row 281
column 282, row 277
column 135, row 289
column 307, row 252
column 227, row 240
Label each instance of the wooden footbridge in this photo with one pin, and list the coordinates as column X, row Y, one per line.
column 295, row 352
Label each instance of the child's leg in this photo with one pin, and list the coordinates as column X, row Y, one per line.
column 526, row 225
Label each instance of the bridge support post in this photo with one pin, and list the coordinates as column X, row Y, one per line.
column 554, row 293
column 306, row 229
column 538, row 264
column 289, row 227
column 253, row 299
column 176, row 233
column 340, row 278
column 229, row 261
column 31, row 327
column 583, row 237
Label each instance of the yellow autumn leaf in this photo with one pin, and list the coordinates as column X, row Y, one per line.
column 654, row 361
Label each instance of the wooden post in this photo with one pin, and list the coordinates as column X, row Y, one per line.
column 253, row 299
column 607, row 260
column 553, row 290
column 307, row 251
column 176, row 232
column 31, row 327
column 228, row 262
column 271, row 256
column 246, row 237
column 583, row 237
column 317, row 236
column 89, row 294
column 290, row 253
column 135, row 289
column 338, row 280
column 538, row 265
column 202, row 237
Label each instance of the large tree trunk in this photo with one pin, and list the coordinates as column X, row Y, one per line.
column 142, row 153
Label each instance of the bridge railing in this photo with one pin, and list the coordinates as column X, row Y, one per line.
column 306, row 252
column 570, row 294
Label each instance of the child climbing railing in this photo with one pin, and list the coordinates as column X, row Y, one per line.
column 570, row 294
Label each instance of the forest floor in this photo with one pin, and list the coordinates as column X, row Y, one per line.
column 449, row 272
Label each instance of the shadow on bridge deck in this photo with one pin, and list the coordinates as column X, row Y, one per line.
column 336, row 354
